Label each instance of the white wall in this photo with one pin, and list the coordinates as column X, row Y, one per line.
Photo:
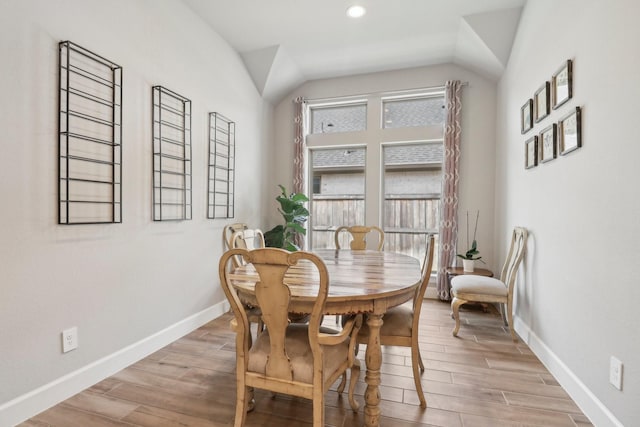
column 578, row 303
column 119, row 283
column 477, row 161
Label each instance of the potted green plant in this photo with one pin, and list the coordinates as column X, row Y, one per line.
column 295, row 215
column 471, row 255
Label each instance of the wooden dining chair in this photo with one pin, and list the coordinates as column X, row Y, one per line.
column 239, row 235
column 297, row 359
column 470, row 288
column 359, row 235
column 228, row 230
column 401, row 324
column 248, row 238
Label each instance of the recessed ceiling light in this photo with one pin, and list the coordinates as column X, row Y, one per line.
column 356, row 11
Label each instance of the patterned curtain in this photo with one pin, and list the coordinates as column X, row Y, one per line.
column 299, row 183
column 448, row 232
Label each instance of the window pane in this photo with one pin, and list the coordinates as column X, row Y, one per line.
column 341, row 118
column 338, row 192
column 413, row 112
column 412, row 186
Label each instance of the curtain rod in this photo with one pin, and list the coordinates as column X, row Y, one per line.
column 385, row 93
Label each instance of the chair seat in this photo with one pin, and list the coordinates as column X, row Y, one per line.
column 396, row 321
column 470, row 284
column 299, row 352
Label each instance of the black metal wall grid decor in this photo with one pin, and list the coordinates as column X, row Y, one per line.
column 221, row 175
column 89, row 137
column 172, row 181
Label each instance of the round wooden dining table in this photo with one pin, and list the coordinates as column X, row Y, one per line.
column 367, row 281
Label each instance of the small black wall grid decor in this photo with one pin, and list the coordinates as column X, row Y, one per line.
column 221, row 175
column 89, row 137
column 172, row 183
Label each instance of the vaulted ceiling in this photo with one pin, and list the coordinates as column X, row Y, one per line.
column 287, row 42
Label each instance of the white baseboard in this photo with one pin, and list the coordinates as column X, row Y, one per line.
column 26, row 406
column 593, row 408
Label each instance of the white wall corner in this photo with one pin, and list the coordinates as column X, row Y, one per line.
column 32, row 403
column 593, row 408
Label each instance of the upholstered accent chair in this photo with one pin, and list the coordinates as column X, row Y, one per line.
column 297, row 359
column 470, row 288
column 359, row 235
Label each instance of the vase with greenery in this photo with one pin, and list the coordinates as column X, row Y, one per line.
column 472, row 254
column 295, row 216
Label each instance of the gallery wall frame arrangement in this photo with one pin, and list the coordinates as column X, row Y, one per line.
column 172, row 175
column 548, row 142
column 562, row 137
column 221, row 168
column 541, row 103
column 570, row 132
column 89, row 137
column 526, row 117
column 562, row 84
column 531, row 152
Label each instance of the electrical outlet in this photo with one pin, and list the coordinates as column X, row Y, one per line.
column 615, row 373
column 69, row 339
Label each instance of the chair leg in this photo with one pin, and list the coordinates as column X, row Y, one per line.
column 415, row 362
column 242, row 403
column 510, row 319
column 355, row 374
column 420, row 361
column 455, row 309
column 318, row 410
column 503, row 312
column 343, row 382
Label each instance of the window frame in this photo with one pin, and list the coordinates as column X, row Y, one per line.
column 373, row 138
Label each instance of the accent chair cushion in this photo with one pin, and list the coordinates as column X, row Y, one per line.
column 471, row 284
column 299, row 352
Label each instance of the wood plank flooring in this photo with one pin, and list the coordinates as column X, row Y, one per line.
column 480, row 379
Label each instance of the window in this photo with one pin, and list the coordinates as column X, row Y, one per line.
column 339, row 196
column 412, row 186
column 339, row 118
column 385, row 172
column 423, row 111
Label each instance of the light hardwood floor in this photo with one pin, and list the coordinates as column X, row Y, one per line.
column 479, row 379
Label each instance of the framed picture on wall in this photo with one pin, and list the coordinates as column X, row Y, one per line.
column 562, row 84
column 548, row 143
column 531, row 152
column 569, row 132
column 541, row 102
column 526, row 116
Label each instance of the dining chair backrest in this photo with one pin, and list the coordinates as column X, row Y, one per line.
column 297, row 359
column 248, row 239
column 273, row 296
column 359, row 235
column 227, row 233
column 426, row 276
column 514, row 257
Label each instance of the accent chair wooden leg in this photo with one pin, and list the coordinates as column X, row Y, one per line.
column 510, row 319
column 455, row 312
